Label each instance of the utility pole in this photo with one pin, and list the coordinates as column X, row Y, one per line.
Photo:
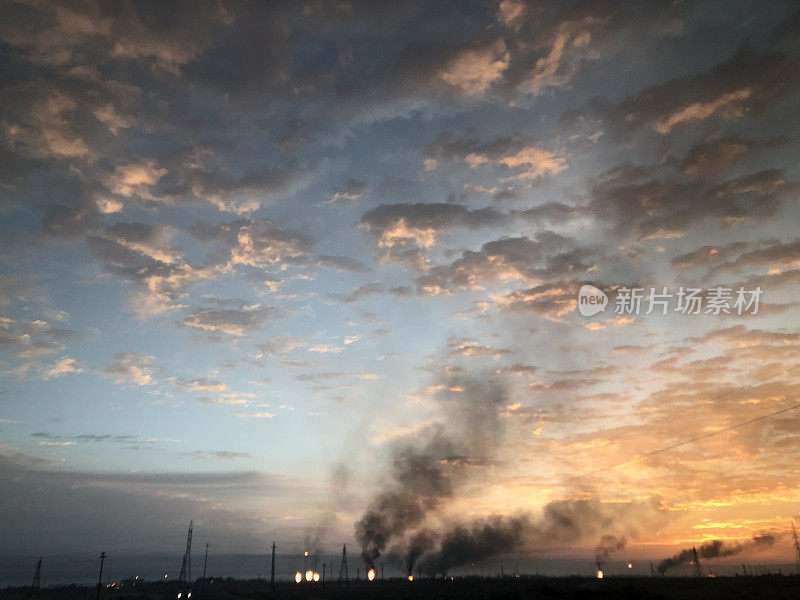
column 272, row 573
column 324, row 568
column 100, row 577
column 205, row 564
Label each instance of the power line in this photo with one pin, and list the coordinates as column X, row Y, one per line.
column 690, row 441
column 715, row 398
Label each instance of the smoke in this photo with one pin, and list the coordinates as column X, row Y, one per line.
column 608, row 544
column 419, row 484
column 426, row 471
column 718, row 549
column 314, row 536
column 561, row 522
column 463, row 544
column 313, row 544
column 420, row 543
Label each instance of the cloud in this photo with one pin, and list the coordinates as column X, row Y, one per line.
column 222, row 454
column 280, row 345
column 418, row 224
column 569, row 45
column 350, row 191
column 644, row 206
column 202, row 384
column 254, row 415
column 143, row 253
column 473, row 70
column 520, row 258
column 359, row 293
column 523, row 158
column 258, row 243
column 549, row 301
column 63, row 366
column 468, row 347
column 228, row 398
column 32, row 339
column 342, row 263
column 237, row 321
column 135, row 179
column 714, row 156
column 130, row 367
column 747, row 83
column 100, row 503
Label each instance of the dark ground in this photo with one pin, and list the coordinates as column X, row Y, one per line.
column 572, row 588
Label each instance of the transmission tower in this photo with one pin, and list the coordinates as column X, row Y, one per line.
column 343, row 566
column 796, row 546
column 100, row 577
column 185, row 578
column 698, row 568
column 37, row 578
column 272, row 573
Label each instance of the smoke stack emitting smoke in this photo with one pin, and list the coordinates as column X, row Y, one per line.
column 718, row 549
column 426, row 476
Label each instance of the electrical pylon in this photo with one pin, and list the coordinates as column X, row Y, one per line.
column 796, row 547
column 185, row 578
column 698, row 568
column 343, row 566
column 37, row 578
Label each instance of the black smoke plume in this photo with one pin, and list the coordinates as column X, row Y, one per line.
column 464, row 544
column 420, row 543
column 608, row 545
column 419, row 484
column 717, row 549
column 425, row 473
column 561, row 522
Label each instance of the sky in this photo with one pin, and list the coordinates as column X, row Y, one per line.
column 255, row 257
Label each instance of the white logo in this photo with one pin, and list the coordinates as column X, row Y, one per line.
column 591, row 300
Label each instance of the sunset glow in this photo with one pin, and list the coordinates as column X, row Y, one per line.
column 461, row 289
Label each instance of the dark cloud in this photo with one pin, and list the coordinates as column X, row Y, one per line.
column 130, row 367
column 342, row 263
column 71, row 511
column 359, row 293
column 235, row 321
column 418, row 224
column 714, row 156
column 32, row 339
column 254, row 242
column 521, row 157
column 641, row 208
column 749, row 82
column 550, row 255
